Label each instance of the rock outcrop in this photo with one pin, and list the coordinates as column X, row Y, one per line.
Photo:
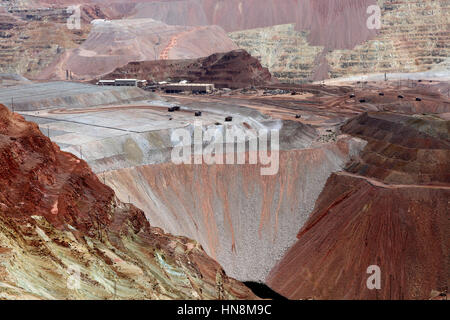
column 413, row 37
column 298, row 40
column 234, row 69
column 64, row 235
column 243, row 219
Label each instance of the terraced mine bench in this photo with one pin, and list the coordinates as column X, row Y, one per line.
column 62, row 94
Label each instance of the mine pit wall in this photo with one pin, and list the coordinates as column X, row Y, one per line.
column 99, row 98
column 126, row 151
column 413, row 38
column 65, row 94
column 244, row 220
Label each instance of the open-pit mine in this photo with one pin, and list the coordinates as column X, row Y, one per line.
column 205, row 149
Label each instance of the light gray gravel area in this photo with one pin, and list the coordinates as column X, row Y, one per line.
column 63, row 94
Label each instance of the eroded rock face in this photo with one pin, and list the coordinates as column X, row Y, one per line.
column 323, row 17
column 58, row 220
column 389, row 208
column 29, row 96
column 298, row 40
column 413, row 38
column 234, row 69
column 283, row 49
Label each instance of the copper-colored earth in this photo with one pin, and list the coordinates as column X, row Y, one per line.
column 389, row 209
column 115, row 43
column 394, row 193
column 235, row 69
column 56, row 216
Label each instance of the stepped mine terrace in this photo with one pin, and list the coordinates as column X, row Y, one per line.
column 246, row 221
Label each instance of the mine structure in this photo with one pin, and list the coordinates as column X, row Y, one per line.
column 123, row 83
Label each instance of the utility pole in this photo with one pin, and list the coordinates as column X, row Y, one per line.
column 12, row 104
column 48, row 131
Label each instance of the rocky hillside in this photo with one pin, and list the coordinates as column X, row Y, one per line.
column 114, row 43
column 389, row 208
column 244, row 220
column 298, row 40
column 31, row 38
column 234, row 69
column 414, row 37
column 59, row 224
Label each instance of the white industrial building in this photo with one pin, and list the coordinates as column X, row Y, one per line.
column 123, row 83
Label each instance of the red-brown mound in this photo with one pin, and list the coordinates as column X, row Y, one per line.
column 333, row 24
column 235, row 69
column 404, row 231
column 390, row 209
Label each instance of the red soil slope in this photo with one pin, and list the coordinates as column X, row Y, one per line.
column 88, row 227
column 389, row 208
column 333, row 24
column 235, row 69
